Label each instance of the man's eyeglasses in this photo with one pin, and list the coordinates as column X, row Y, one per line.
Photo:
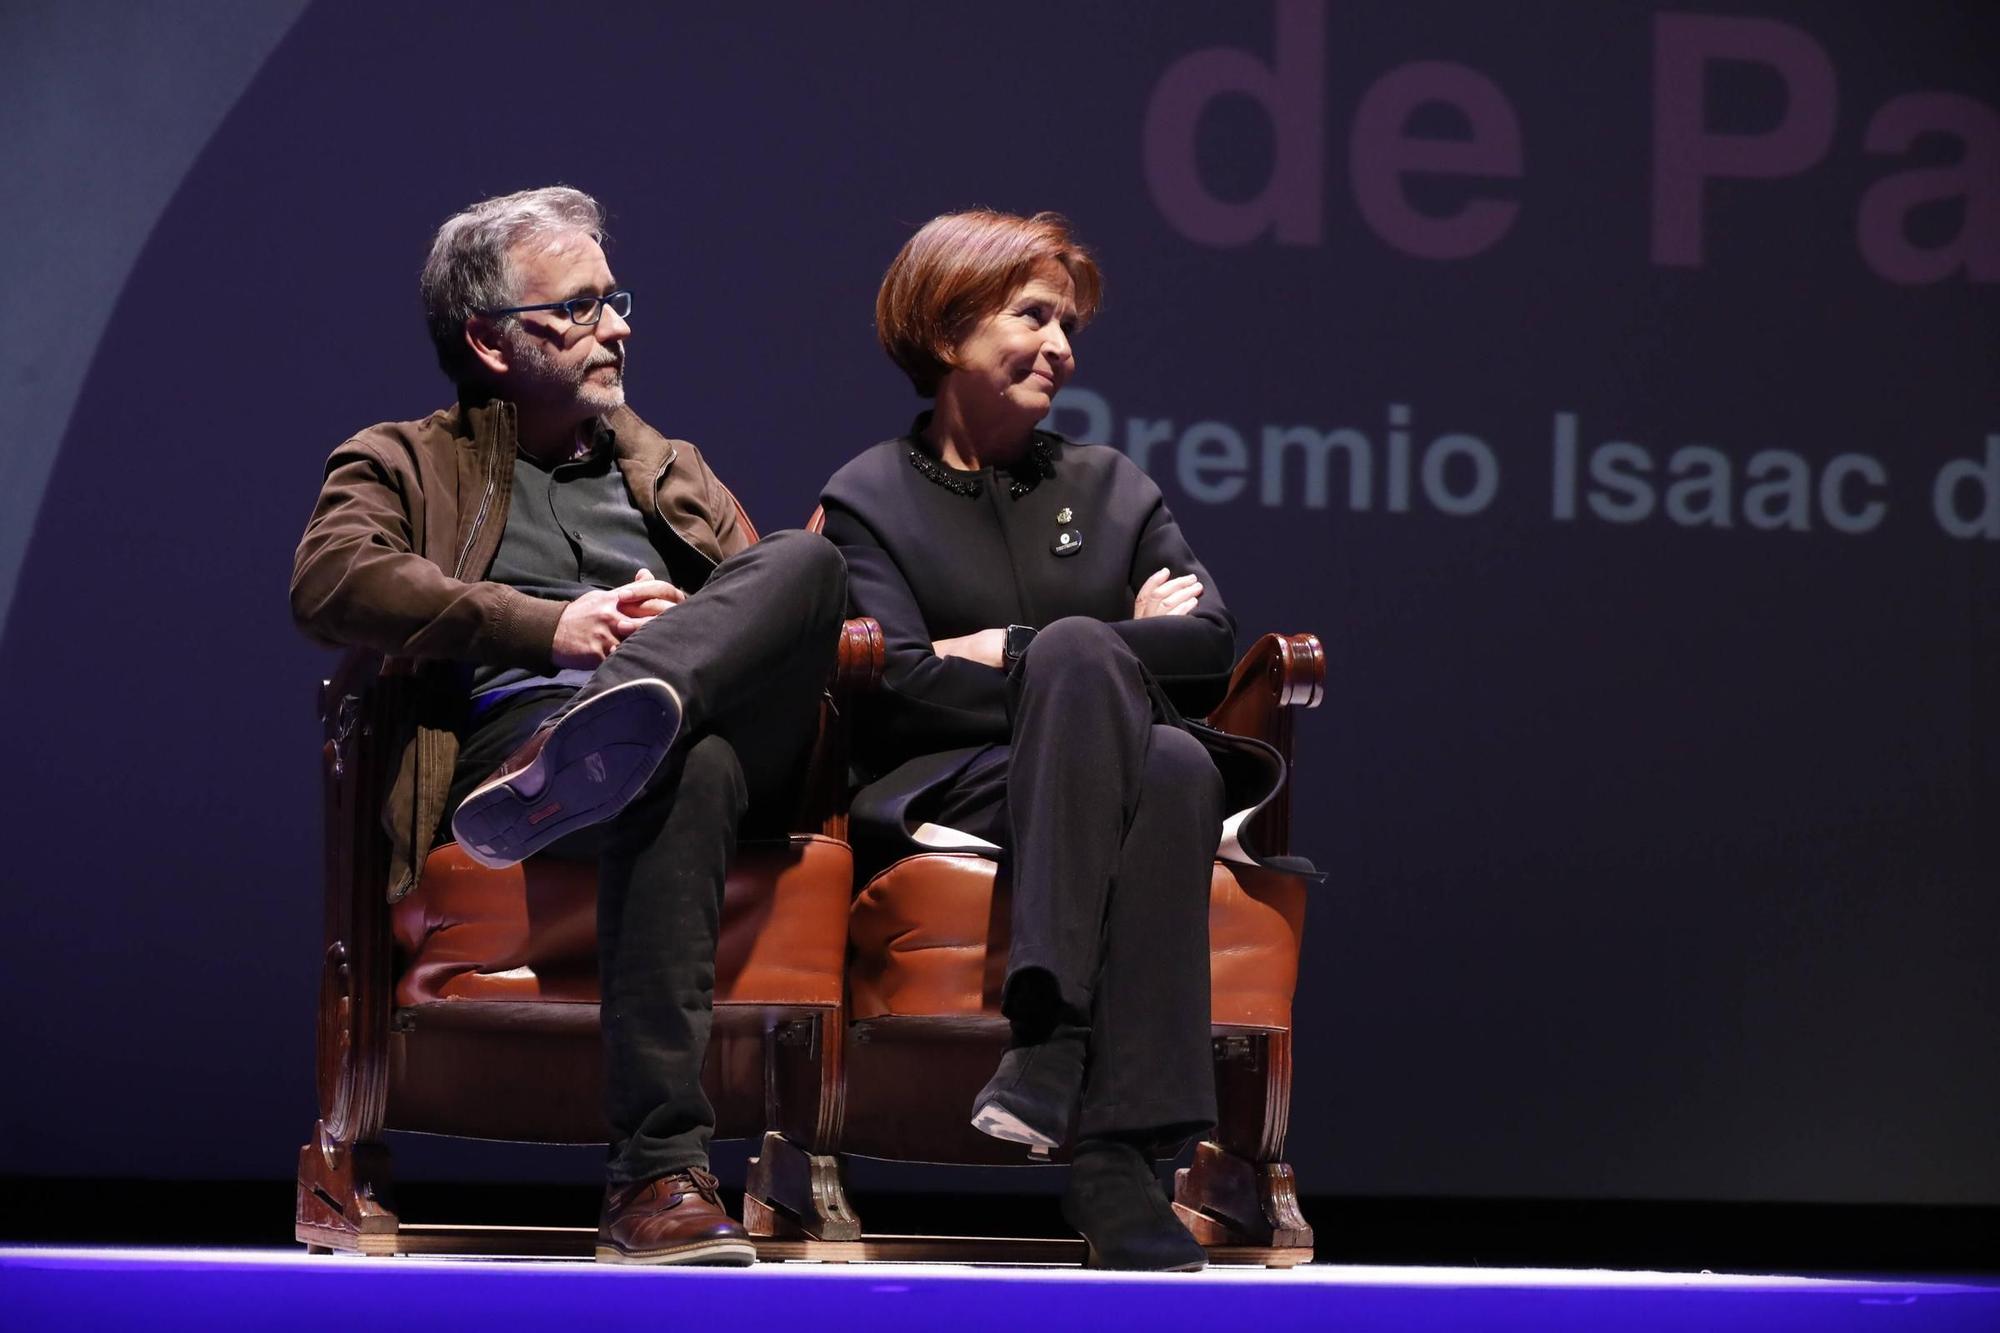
column 580, row 309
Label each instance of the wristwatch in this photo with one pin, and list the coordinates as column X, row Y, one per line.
column 1018, row 639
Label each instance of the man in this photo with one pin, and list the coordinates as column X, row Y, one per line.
column 610, row 668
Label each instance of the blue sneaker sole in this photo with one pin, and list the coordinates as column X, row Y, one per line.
column 598, row 758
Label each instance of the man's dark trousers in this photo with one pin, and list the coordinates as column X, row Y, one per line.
column 749, row 655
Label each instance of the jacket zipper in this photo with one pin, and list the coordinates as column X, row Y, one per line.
column 485, row 502
column 661, row 514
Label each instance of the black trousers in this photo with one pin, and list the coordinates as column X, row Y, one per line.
column 749, row 654
column 1110, row 819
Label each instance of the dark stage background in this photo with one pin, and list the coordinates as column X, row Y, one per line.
column 1611, row 386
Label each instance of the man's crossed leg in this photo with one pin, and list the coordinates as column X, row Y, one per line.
column 702, row 718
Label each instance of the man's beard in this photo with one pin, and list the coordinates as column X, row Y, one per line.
column 553, row 382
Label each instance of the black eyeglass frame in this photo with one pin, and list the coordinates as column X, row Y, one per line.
column 596, row 305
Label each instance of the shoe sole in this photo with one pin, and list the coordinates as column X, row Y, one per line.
column 714, row 1253
column 1091, row 1260
column 996, row 1121
column 594, row 763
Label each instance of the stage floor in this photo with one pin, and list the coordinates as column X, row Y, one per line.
column 106, row 1288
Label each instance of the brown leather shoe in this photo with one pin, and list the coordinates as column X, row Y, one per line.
column 676, row 1219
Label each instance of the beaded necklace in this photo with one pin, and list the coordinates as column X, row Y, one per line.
column 1023, row 476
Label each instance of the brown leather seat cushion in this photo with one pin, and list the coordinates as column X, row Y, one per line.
column 930, row 938
column 530, row 932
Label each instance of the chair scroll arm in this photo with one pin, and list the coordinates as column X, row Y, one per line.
column 862, row 655
column 1280, row 672
column 354, row 991
column 857, row 669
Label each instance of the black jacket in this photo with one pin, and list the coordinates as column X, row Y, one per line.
column 931, row 562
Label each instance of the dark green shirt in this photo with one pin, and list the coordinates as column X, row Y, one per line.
column 571, row 528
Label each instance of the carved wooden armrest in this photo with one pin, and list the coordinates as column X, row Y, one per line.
column 1280, row 672
column 354, row 992
column 353, row 675
column 858, row 669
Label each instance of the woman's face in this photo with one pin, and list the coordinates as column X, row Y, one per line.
column 1015, row 360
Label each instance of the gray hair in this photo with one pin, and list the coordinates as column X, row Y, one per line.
column 470, row 267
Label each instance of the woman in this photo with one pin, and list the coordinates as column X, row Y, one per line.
column 1045, row 622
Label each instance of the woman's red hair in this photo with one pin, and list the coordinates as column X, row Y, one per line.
column 961, row 267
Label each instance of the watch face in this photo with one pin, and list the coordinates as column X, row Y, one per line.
column 1018, row 639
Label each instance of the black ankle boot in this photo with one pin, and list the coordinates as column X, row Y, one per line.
column 1116, row 1201
column 1032, row 1096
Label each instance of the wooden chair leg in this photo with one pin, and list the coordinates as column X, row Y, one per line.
column 792, row 1193
column 1227, row 1201
column 1240, row 1193
column 803, row 1080
column 344, row 1197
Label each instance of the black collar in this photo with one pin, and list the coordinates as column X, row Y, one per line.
column 1023, row 474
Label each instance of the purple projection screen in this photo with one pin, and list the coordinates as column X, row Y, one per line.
column 1611, row 386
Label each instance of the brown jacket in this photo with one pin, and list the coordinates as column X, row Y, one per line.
column 395, row 557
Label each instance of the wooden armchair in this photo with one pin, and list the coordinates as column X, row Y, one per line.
column 927, row 952
column 469, row 1008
